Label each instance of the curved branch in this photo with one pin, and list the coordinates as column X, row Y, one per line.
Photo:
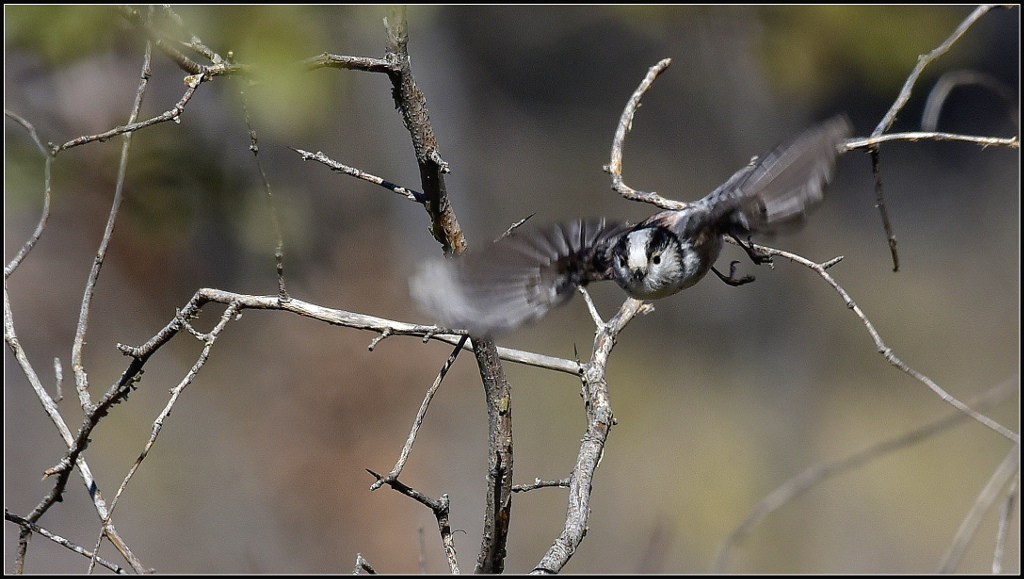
column 614, row 168
column 31, row 242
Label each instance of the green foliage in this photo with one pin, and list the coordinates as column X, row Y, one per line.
column 806, row 45
column 60, row 35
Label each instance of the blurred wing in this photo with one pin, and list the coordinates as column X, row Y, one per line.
column 515, row 280
column 785, row 184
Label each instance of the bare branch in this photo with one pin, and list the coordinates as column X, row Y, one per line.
column 901, row 100
column 446, row 230
column 50, row 407
column 440, row 508
column 1007, row 471
column 516, row 225
column 885, row 350
column 166, row 45
column 209, row 339
column 498, row 509
column 599, row 422
column 363, row 565
column 913, row 137
column 34, row 528
column 801, row 483
column 363, row 63
column 923, row 61
column 594, row 314
column 413, row 107
column 174, row 114
column 48, row 161
column 540, row 484
column 614, row 167
column 331, row 316
column 336, row 166
column 93, row 413
column 81, row 379
column 275, row 223
column 883, row 211
column 418, row 421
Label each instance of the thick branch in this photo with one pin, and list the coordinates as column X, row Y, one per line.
column 413, row 106
column 599, row 423
column 445, row 228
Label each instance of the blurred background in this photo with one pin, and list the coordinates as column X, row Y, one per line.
column 721, row 394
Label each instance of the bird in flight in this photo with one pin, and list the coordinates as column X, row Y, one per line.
column 521, row 276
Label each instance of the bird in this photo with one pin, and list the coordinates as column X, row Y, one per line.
column 521, row 276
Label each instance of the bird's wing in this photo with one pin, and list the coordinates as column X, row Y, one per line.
column 517, row 279
column 782, row 186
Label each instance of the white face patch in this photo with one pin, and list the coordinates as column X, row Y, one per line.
column 637, row 245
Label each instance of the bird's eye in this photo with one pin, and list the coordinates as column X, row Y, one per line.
column 656, row 258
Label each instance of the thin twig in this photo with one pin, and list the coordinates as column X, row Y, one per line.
column 208, row 339
column 77, row 444
column 47, row 162
column 883, row 211
column 352, row 171
column 516, row 225
column 77, row 363
column 915, row 136
column 50, row 407
column 801, row 483
column 362, row 63
column 275, row 223
column 901, row 100
column 173, row 114
column 166, row 45
column 418, row 421
column 343, row 318
column 540, row 484
column 594, row 314
column 441, row 509
column 32, row 527
column 363, row 565
column 885, row 350
column 922, row 61
column 1004, row 474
